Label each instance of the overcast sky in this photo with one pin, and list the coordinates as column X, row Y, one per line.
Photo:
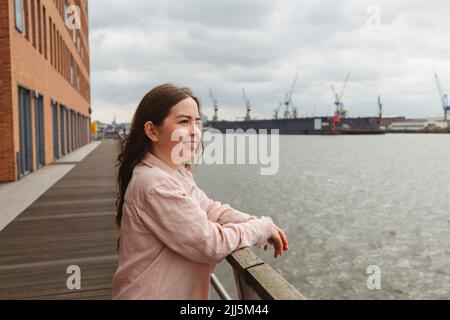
column 390, row 48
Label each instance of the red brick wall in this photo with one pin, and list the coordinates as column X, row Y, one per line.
column 7, row 162
column 32, row 70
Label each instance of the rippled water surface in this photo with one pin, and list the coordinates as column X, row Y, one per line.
column 348, row 202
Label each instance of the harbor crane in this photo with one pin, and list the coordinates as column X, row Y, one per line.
column 215, row 104
column 276, row 110
column 288, row 99
column 340, row 111
column 443, row 97
column 294, row 111
column 380, row 111
column 380, row 107
column 247, row 105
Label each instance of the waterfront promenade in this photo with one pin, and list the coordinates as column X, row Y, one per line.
column 72, row 223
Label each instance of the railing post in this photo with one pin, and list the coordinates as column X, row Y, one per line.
column 222, row 293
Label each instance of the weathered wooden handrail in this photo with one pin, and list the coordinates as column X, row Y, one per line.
column 256, row 280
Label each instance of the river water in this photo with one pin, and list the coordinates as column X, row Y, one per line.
column 347, row 203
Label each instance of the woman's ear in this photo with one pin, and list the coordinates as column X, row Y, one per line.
column 150, row 131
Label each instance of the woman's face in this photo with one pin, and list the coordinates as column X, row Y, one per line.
column 180, row 133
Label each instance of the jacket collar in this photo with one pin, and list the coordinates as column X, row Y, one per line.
column 153, row 161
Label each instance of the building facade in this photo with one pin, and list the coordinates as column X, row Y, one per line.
column 44, row 83
column 432, row 123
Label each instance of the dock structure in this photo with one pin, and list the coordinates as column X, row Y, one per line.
column 70, row 231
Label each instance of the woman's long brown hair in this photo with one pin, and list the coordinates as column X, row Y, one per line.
column 154, row 106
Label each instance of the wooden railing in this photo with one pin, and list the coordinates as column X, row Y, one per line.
column 255, row 280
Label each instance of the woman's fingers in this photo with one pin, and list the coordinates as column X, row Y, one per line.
column 283, row 239
column 278, row 240
column 278, row 246
column 282, row 234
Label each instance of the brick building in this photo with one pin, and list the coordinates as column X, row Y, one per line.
column 44, row 83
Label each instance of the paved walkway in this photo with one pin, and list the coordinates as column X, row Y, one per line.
column 17, row 196
column 72, row 223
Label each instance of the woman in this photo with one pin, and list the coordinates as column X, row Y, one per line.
column 170, row 234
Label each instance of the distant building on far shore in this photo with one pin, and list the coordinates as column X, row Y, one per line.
column 104, row 129
column 435, row 123
column 387, row 121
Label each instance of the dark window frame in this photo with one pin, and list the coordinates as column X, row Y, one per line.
column 56, row 129
column 25, row 157
column 39, row 128
column 50, row 37
column 26, row 17
column 62, row 126
column 33, row 22
column 72, row 73
column 44, row 27
column 39, row 23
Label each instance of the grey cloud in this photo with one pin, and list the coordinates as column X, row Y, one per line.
column 260, row 45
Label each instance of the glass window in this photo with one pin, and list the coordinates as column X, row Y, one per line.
column 18, row 13
column 25, row 25
column 78, row 78
column 44, row 22
column 71, row 69
column 39, row 26
column 33, row 22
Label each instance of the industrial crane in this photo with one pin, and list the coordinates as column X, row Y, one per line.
column 247, row 105
column 340, row 111
column 216, row 106
column 443, row 97
column 288, row 99
column 276, row 110
column 294, row 109
column 380, row 107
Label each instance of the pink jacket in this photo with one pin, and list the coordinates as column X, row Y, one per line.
column 173, row 235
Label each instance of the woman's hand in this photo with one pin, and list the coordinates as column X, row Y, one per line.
column 278, row 240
